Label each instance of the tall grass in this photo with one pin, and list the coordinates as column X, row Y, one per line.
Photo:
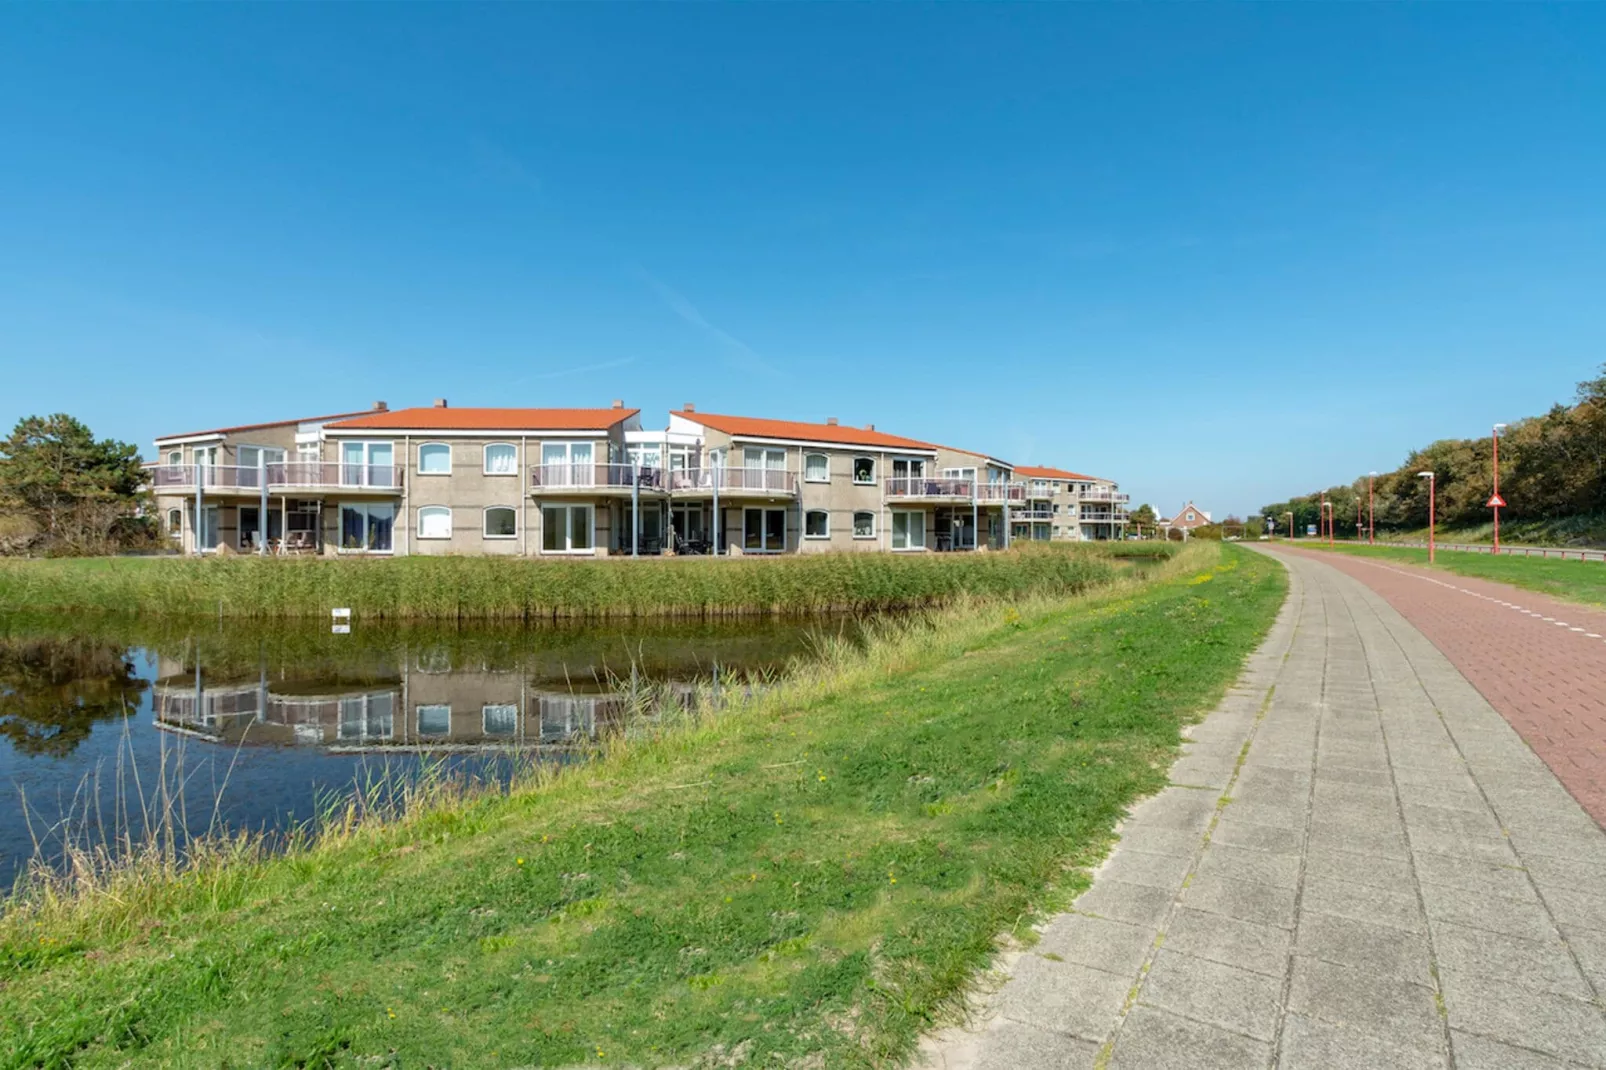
column 518, row 589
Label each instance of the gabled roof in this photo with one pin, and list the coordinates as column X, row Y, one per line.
column 1033, row 471
column 989, row 458
column 259, row 427
column 834, row 434
column 448, row 419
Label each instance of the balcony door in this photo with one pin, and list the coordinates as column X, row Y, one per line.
column 759, row 464
column 567, row 464
column 367, row 464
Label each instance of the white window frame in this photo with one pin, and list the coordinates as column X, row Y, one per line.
column 959, row 473
column 826, row 457
column 433, row 707
column 500, row 708
column 906, row 548
column 364, row 467
column 826, row 534
column 871, row 513
column 485, row 458
column 485, row 516
column 568, row 528
column 422, row 446
column 435, row 510
column 1190, row 514
column 867, row 482
column 175, row 530
column 175, row 457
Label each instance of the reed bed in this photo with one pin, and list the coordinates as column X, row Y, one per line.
column 488, row 588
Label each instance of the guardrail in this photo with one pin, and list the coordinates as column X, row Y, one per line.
column 1000, row 492
column 735, row 479
column 596, row 476
column 928, row 487
column 292, row 474
column 1555, row 553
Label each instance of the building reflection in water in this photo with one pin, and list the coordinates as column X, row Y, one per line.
column 421, row 703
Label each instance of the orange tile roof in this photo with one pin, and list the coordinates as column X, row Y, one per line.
column 978, row 453
column 837, row 434
column 1031, row 471
column 448, row 419
column 270, row 423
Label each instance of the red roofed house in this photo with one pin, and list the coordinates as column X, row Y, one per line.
column 1187, row 518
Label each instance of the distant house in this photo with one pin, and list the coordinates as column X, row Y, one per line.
column 1187, row 518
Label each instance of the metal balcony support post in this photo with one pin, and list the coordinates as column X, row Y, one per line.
column 262, row 508
column 1006, row 523
column 635, row 513
column 200, row 510
column 715, row 471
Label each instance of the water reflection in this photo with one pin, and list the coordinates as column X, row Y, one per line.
column 253, row 727
column 53, row 691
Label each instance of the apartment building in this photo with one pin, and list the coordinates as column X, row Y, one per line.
column 1060, row 504
column 594, row 482
column 431, row 480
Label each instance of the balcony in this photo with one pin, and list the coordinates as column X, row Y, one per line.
column 1025, row 515
column 929, row 488
column 595, row 478
column 229, row 479
column 999, row 493
column 733, row 482
column 1104, row 494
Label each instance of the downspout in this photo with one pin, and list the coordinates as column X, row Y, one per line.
column 407, row 509
column 262, row 508
column 524, row 501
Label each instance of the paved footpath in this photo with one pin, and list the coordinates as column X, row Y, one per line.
column 1359, row 863
column 1540, row 661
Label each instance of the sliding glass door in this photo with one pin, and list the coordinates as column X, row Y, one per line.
column 367, row 464
column 764, row 531
column 367, row 527
column 568, row 464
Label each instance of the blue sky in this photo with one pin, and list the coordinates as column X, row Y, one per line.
column 1226, row 253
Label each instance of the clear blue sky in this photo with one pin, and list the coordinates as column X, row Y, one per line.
column 1225, row 253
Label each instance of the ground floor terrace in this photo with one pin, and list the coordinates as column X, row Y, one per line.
column 573, row 524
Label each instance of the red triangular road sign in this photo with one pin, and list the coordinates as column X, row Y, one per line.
column 1496, row 502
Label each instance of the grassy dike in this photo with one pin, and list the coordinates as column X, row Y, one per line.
column 1575, row 581
column 812, row 879
column 500, row 588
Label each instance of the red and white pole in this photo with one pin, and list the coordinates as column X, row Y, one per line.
column 1495, row 434
column 1431, row 509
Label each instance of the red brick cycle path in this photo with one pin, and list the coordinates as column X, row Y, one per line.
column 1538, row 661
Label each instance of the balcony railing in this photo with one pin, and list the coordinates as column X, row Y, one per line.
column 929, row 487
column 596, row 476
column 1104, row 494
column 206, row 476
column 1031, row 514
column 294, row 474
column 334, row 474
column 1001, row 492
column 735, row 479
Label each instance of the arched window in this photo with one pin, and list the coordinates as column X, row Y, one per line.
column 816, row 468
column 864, row 469
column 864, row 525
column 434, row 522
column 501, row 459
column 175, row 523
column 435, row 459
column 817, row 524
column 501, row 522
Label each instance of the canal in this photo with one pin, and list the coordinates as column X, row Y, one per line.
column 111, row 728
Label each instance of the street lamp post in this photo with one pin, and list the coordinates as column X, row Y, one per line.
column 1371, row 510
column 1329, row 507
column 1495, row 502
column 1431, row 506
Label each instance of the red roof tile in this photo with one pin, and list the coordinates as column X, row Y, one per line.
column 835, row 434
column 448, row 419
column 270, row 423
column 1031, row 471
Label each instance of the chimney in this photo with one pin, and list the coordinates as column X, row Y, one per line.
column 688, row 407
column 830, row 421
column 618, row 403
column 869, row 427
column 440, row 403
column 380, row 406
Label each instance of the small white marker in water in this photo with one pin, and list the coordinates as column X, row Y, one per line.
column 341, row 621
